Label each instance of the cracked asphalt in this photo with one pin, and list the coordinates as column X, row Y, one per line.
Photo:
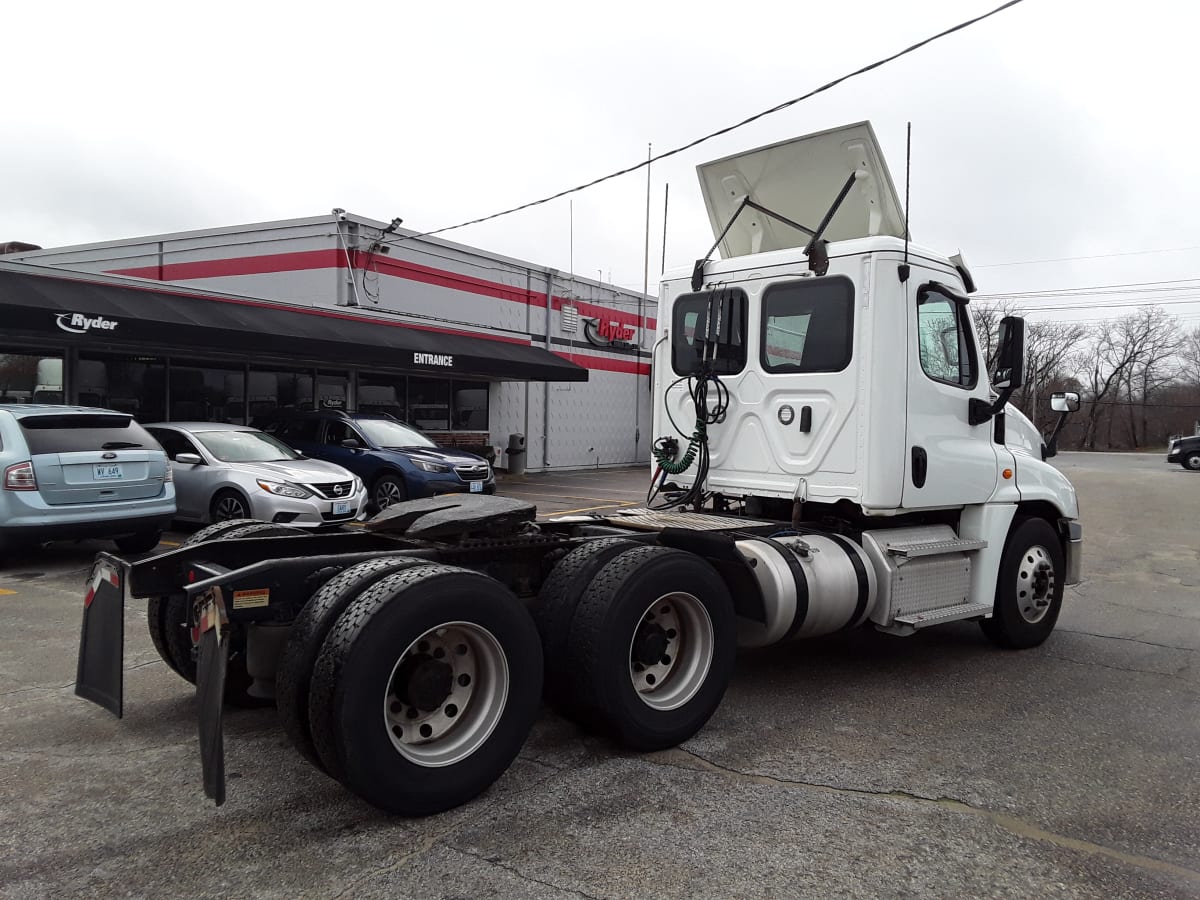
column 861, row 765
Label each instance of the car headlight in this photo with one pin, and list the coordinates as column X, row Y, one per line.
column 280, row 489
column 432, row 467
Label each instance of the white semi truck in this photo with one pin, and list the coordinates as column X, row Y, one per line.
column 829, row 454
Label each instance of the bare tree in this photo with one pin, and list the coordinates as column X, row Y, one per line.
column 987, row 324
column 1189, row 354
column 1144, row 340
column 1049, row 348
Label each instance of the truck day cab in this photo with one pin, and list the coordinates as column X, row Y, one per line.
column 829, row 454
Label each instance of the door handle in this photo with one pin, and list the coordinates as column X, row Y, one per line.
column 920, row 466
column 806, row 419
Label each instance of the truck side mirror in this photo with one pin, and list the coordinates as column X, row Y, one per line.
column 1064, row 401
column 1007, row 375
column 1009, row 371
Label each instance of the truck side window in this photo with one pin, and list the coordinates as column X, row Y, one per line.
column 808, row 326
column 944, row 341
column 689, row 329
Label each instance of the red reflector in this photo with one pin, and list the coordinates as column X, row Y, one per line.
column 191, row 576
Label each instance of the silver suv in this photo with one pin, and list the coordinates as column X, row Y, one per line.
column 71, row 472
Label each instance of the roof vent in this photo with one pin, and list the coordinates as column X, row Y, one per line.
column 569, row 321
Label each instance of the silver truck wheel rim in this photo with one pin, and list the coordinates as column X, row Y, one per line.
column 671, row 651
column 445, row 694
column 1193, row 461
column 387, row 494
column 1035, row 584
column 230, row 508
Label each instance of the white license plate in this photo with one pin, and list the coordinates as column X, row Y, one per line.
column 341, row 508
column 106, row 471
column 476, row 487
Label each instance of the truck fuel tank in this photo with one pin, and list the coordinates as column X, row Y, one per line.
column 811, row 584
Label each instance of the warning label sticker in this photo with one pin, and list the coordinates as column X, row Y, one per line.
column 251, row 599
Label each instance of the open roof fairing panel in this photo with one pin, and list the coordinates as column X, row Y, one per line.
column 799, row 179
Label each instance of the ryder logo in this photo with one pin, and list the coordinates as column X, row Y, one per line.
column 607, row 334
column 78, row 323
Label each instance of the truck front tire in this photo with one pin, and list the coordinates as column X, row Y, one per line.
column 652, row 647
column 1029, row 589
column 425, row 689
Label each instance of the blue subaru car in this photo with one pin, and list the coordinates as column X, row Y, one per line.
column 395, row 461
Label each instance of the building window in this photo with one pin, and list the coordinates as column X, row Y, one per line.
column 31, row 378
column 207, row 392
column 332, row 389
column 385, row 394
column 132, row 384
column 470, row 405
column 429, row 403
column 267, row 391
column 808, row 326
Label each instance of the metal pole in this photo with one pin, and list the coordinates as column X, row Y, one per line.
column 641, row 323
column 666, row 201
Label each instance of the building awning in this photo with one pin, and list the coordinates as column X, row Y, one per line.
column 102, row 310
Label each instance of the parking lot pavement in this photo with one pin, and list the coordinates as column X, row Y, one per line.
column 861, row 765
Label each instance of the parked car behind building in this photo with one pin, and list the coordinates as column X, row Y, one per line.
column 74, row 472
column 397, row 462
column 237, row 472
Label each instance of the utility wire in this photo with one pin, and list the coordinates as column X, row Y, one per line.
column 708, row 137
column 1036, row 262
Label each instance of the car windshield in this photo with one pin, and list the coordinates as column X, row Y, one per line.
column 245, row 446
column 387, row 433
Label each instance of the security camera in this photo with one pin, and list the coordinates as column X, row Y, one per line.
column 340, row 213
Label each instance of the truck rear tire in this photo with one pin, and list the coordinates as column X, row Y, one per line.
column 652, row 647
column 308, row 634
column 556, row 604
column 167, row 618
column 1029, row 589
column 425, row 689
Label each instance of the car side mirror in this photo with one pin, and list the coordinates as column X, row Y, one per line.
column 1009, row 371
column 1064, row 401
column 189, row 459
column 351, row 444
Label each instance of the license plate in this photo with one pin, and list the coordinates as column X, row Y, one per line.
column 341, row 508
column 476, row 487
column 106, row 471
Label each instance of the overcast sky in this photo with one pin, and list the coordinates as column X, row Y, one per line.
column 1059, row 128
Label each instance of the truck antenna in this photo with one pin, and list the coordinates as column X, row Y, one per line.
column 903, row 270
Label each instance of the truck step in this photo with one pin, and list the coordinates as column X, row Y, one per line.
column 945, row 614
column 933, row 548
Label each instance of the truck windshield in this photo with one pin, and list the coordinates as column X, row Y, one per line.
column 690, row 330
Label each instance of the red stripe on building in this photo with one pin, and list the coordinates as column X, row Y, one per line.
column 605, row 364
column 306, row 260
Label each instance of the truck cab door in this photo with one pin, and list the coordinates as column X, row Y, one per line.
column 948, row 461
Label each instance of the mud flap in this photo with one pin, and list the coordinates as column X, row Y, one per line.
column 100, row 671
column 210, row 691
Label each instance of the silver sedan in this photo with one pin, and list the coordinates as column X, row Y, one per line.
column 236, row 472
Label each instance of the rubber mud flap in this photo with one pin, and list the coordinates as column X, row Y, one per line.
column 99, row 674
column 210, row 694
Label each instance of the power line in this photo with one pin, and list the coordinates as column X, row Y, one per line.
column 1185, row 284
column 1035, row 262
column 708, row 137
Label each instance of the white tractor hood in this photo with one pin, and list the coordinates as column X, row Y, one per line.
column 799, row 179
